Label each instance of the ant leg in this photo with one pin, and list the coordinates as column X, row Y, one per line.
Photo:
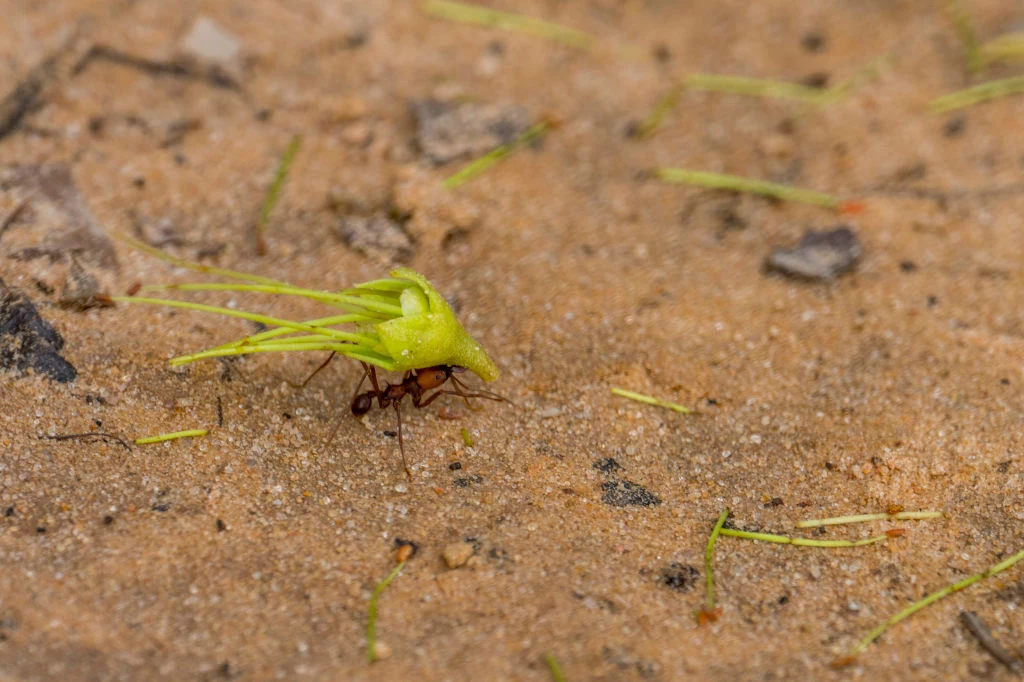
column 401, row 442
column 366, row 372
column 315, row 372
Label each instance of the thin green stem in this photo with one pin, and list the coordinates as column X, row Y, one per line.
column 492, row 158
column 252, row 317
column 471, row 14
column 371, row 622
column 800, row 542
column 556, row 670
column 862, row 518
column 931, row 599
column 274, row 192
column 195, row 267
column 319, row 322
column 649, row 400
column 191, row 433
column 347, row 349
column 1004, row 48
column 966, row 33
column 977, row 94
column 383, row 305
column 737, row 183
column 710, row 601
column 757, row 87
column 654, row 120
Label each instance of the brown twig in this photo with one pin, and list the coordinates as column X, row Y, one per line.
column 107, row 437
column 28, row 93
column 977, row 627
column 214, row 76
column 12, row 216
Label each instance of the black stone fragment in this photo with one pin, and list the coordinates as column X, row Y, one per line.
column 681, row 577
column 378, row 237
column 608, row 465
column 819, row 255
column 446, row 131
column 27, row 341
column 623, row 493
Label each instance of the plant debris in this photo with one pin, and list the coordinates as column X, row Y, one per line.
column 28, row 93
column 977, row 627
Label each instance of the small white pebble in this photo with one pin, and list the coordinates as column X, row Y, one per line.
column 381, row 650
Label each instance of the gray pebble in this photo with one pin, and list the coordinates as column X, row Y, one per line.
column 819, row 255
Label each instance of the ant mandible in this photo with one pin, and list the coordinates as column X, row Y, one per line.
column 415, row 384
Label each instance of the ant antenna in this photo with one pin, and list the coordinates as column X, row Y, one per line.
column 315, row 372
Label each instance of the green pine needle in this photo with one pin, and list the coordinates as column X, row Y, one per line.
column 930, row 599
column 371, row 621
column 482, row 16
column 715, row 532
column 737, row 183
column 495, row 156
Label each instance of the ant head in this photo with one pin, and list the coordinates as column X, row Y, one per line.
column 432, row 377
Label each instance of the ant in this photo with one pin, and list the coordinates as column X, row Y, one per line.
column 415, row 384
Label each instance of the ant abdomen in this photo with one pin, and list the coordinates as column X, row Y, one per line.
column 361, row 404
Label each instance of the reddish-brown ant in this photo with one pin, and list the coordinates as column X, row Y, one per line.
column 415, row 384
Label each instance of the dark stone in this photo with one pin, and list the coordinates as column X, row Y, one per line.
column 681, row 577
column 162, row 507
column 608, row 465
column 378, row 237
column 468, row 481
column 27, row 341
column 455, row 466
column 818, row 79
column 908, row 266
column 446, row 131
column 625, row 493
column 812, row 41
column 954, row 127
column 819, row 255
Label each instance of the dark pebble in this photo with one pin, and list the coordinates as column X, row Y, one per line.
column 377, row 237
column 468, row 481
column 680, row 577
column 449, row 131
column 608, row 465
column 813, row 41
column 625, row 493
column 955, row 127
column 455, row 466
column 28, row 341
column 819, row 255
column 908, row 266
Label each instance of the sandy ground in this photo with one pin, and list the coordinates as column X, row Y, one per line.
column 251, row 553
